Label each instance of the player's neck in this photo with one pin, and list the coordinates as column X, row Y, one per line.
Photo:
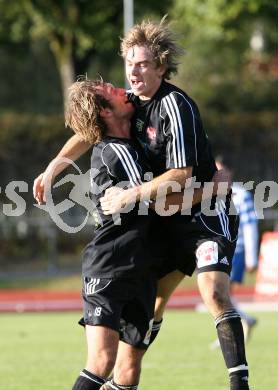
column 119, row 129
column 151, row 93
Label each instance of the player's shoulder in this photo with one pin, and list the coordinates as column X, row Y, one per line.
column 111, row 143
column 121, row 149
column 172, row 94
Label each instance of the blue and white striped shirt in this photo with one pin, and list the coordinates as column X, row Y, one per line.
column 248, row 227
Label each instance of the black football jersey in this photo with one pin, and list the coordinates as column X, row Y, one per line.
column 120, row 244
column 170, row 130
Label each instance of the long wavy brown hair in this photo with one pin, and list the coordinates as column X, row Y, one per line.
column 83, row 108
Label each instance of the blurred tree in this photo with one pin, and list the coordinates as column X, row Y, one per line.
column 228, row 43
column 37, row 38
column 231, row 68
column 75, row 29
column 71, row 27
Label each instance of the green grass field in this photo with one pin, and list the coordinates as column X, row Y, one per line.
column 46, row 352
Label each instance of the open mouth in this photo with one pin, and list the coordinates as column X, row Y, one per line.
column 136, row 83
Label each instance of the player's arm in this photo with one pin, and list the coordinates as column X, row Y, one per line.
column 172, row 180
column 71, row 151
column 115, row 198
column 220, row 185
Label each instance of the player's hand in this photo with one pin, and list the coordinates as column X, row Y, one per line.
column 116, row 200
column 112, row 201
column 222, row 180
column 41, row 184
column 38, row 189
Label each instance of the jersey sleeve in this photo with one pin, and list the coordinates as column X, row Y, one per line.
column 122, row 164
column 181, row 118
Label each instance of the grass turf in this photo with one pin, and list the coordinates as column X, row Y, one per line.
column 46, row 351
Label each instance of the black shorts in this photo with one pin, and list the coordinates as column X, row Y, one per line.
column 124, row 305
column 163, row 244
column 206, row 243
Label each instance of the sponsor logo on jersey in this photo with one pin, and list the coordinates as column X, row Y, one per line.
column 151, row 133
column 139, row 125
column 207, row 254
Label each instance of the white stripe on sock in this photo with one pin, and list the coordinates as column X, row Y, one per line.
column 238, row 368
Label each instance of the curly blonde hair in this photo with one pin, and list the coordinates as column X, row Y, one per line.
column 159, row 39
column 83, row 108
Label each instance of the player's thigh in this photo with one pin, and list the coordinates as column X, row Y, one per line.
column 214, row 261
column 168, row 283
column 165, row 288
column 209, row 281
column 102, row 299
column 138, row 313
column 102, row 347
column 214, row 250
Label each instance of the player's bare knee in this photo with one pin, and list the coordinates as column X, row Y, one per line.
column 217, row 300
column 107, row 361
column 127, row 374
column 214, row 288
column 133, row 372
column 101, row 363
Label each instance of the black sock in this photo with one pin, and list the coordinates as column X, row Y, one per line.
column 155, row 329
column 88, row 381
column 231, row 338
column 114, row 386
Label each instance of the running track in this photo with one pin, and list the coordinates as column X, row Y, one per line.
column 47, row 301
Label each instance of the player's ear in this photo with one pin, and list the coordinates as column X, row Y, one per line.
column 161, row 70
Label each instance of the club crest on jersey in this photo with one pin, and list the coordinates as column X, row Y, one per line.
column 139, row 125
column 207, row 254
column 151, row 133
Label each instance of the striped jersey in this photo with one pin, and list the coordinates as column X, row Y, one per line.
column 169, row 128
column 119, row 247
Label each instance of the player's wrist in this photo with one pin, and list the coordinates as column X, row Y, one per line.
column 136, row 193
